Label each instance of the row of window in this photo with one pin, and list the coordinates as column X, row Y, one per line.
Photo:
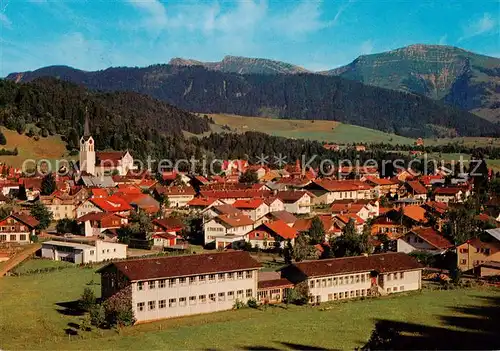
column 13, row 237
column 201, row 279
column 349, row 279
column 11, row 229
column 354, row 293
column 193, row 300
column 483, row 250
column 394, row 276
column 474, row 262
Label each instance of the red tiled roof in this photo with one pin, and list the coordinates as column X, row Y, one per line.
column 99, row 192
column 380, row 181
column 302, row 224
column 248, row 204
column 31, row 183
column 111, row 203
column 415, row 212
column 179, row 266
column 432, row 237
column 108, row 158
column 274, row 284
column 347, row 217
column 352, row 207
column 175, row 190
column 282, row 229
column 342, row 185
column 447, row 191
column 235, row 194
column 382, row 263
column 235, row 219
column 417, row 187
column 169, row 224
column 291, row 196
column 95, row 216
column 26, row 219
column 285, row 216
column 201, row 201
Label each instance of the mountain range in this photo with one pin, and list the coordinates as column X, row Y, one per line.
column 405, row 91
column 452, row 75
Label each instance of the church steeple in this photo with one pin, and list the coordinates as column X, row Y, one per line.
column 86, row 127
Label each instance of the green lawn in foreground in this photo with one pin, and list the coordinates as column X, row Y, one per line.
column 34, row 264
column 29, row 319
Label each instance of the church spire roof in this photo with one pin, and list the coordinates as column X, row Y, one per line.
column 86, row 128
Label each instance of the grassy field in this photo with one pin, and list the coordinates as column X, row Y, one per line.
column 33, row 264
column 320, row 130
column 329, row 131
column 51, row 148
column 34, row 316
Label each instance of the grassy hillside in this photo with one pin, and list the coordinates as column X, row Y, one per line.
column 37, row 314
column 329, row 131
column 51, row 148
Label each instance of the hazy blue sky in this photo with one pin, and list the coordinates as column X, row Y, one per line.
column 318, row 35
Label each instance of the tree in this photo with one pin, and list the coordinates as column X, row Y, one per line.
column 42, row 214
column 66, row 225
column 299, row 295
column 288, row 252
column 48, row 184
column 350, row 243
column 140, row 224
column 249, row 176
column 316, row 231
column 302, row 249
column 124, row 234
column 86, row 323
column 3, row 140
column 21, row 195
column 461, row 223
column 5, row 211
column 87, row 300
column 97, row 315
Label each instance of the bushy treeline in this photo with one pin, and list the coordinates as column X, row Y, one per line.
column 117, row 120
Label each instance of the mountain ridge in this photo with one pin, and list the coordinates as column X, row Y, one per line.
column 296, row 96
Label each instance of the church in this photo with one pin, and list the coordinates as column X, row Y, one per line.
column 102, row 163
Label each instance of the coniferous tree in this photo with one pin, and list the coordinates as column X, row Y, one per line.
column 48, row 184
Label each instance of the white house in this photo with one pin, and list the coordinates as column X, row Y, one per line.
column 228, row 227
column 327, row 191
column 167, row 287
column 297, row 202
column 79, row 253
column 358, row 276
column 423, row 239
column 255, row 208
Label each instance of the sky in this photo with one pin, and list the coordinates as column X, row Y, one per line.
column 318, row 35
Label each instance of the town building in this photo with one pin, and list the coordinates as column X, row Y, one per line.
column 175, row 286
column 255, row 208
column 296, row 202
column 178, row 196
column 354, row 277
column 423, row 239
column 271, row 234
column 17, row 228
column 101, row 163
column 475, row 251
column 227, row 229
column 327, row 191
column 96, row 223
column 83, row 252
